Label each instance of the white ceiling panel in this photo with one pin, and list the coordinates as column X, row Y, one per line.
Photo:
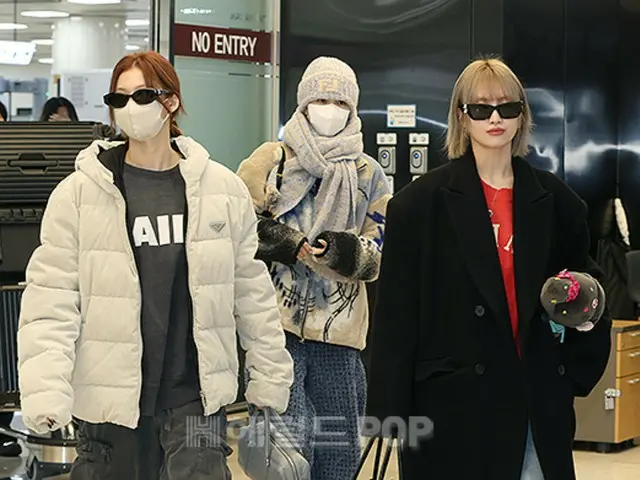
column 41, row 28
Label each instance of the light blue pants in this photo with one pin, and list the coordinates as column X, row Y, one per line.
column 531, row 469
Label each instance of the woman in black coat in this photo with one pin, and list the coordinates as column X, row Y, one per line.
column 459, row 334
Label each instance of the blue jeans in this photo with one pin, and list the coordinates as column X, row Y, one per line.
column 531, row 469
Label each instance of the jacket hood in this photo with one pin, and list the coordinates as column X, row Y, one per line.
column 102, row 161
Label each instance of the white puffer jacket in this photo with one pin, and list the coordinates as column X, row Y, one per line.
column 79, row 340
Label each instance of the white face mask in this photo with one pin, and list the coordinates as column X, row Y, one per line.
column 328, row 120
column 140, row 122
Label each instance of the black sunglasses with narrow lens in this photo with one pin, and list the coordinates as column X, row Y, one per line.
column 482, row 111
column 144, row 96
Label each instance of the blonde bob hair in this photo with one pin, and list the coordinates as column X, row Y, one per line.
column 495, row 74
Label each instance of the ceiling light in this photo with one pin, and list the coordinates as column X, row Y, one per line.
column 44, row 14
column 132, row 48
column 95, row 2
column 43, row 41
column 12, row 26
column 48, row 61
column 137, row 23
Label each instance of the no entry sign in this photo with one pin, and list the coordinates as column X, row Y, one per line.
column 221, row 43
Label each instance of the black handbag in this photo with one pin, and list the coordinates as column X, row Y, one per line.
column 380, row 469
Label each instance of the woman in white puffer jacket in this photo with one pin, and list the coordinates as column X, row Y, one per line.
column 145, row 274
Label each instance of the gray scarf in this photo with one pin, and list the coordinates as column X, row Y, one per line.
column 331, row 159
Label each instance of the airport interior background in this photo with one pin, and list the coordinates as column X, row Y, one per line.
column 578, row 60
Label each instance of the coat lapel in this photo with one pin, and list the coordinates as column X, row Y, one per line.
column 470, row 216
column 532, row 217
column 533, row 221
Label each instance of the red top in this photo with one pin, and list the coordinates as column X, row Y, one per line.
column 500, row 204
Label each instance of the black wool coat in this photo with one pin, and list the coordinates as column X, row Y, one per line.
column 442, row 344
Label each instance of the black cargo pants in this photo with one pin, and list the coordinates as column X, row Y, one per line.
column 178, row 444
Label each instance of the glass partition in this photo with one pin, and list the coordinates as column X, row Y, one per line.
column 225, row 55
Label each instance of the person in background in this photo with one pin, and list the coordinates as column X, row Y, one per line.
column 321, row 230
column 4, row 115
column 59, row 109
column 460, row 335
column 145, row 275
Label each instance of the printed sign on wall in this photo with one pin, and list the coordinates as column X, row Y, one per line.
column 401, row 116
column 222, row 43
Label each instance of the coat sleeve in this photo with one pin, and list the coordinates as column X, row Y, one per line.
column 50, row 317
column 394, row 333
column 269, row 365
column 585, row 354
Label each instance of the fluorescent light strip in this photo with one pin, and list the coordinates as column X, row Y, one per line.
column 137, row 23
column 43, row 41
column 95, row 2
column 13, row 26
column 44, row 14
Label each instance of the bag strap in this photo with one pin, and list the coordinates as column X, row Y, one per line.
column 280, row 169
column 267, row 436
column 253, row 420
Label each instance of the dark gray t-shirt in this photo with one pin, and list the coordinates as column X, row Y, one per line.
column 156, row 216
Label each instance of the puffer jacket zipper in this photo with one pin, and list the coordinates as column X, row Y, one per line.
column 124, row 232
column 187, row 246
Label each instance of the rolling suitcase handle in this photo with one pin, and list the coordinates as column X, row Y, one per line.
column 380, row 470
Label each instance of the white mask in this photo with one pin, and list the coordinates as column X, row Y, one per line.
column 328, row 120
column 140, row 122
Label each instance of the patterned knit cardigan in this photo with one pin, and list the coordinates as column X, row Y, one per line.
column 349, row 261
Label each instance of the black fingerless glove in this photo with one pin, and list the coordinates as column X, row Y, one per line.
column 278, row 242
column 342, row 252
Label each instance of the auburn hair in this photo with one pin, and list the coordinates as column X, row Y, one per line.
column 158, row 73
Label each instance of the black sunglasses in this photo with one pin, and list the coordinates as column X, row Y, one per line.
column 482, row 111
column 144, row 96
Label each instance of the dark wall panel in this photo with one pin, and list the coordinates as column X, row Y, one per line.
column 566, row 54
column 591, row 99
column 406, row 52
column 534, row 49
column 578, row 59
column 629, row 114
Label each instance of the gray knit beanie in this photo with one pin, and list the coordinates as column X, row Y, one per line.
column 328, row 78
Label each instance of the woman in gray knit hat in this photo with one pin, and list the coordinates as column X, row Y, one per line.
column 322, row 203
